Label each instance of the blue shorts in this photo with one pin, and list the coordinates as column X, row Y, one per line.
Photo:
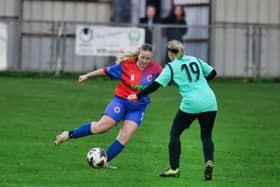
column 123, row 109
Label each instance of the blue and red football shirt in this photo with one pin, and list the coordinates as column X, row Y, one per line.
column 132, row 78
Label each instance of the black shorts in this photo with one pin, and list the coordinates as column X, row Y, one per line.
column 183, row 120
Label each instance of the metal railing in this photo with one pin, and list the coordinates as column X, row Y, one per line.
column 243, row 50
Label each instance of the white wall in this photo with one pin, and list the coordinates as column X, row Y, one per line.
column 243, row 50
column 7, row 7
column 66, row 11
column 247, row 11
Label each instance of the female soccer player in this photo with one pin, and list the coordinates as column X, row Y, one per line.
column 190, row 75
column 135, row 71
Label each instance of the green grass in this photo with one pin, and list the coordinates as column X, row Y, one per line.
column 33, row 110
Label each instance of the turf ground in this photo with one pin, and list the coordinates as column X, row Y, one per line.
column 33, row 110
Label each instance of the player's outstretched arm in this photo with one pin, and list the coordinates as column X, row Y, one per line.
column 211, row 75
column 151, row 88
column 99, row 72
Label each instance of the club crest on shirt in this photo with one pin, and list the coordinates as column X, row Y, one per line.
column 117, row 109
column 149, row 78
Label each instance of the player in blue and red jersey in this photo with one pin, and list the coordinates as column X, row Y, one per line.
column 135, row 72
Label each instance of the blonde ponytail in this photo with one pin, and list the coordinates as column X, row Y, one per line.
column 134, row 54
column 128, row 55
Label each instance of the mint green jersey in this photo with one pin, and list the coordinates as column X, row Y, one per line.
column 189, row 76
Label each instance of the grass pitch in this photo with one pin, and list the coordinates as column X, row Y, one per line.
column 33, row 110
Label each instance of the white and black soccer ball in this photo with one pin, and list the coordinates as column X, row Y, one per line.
column 96, row 157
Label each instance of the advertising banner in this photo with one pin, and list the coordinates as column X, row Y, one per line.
column 3, row 46
column 107, row 41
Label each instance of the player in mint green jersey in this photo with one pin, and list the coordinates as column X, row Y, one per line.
column 190, row 75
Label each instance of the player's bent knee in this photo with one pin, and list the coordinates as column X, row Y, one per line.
column 99, row 128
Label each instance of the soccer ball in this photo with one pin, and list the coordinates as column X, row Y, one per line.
column 96, row 157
